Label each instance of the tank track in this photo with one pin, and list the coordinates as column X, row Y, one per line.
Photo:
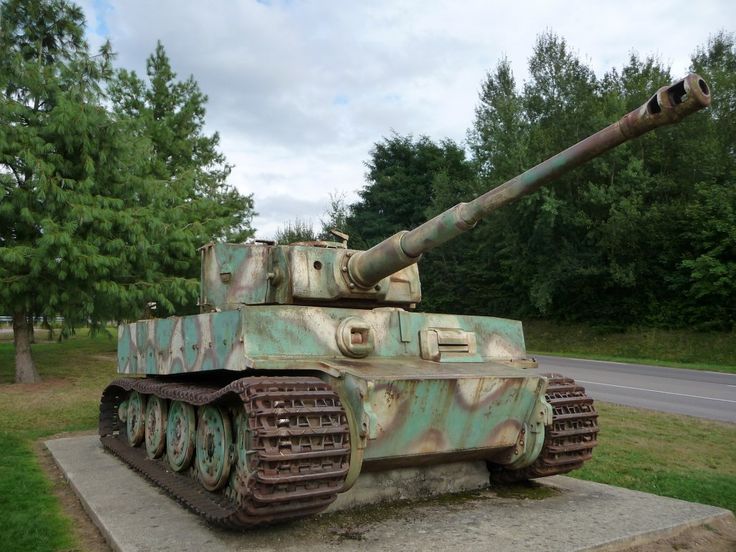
column 299, row 450
column 570, row 440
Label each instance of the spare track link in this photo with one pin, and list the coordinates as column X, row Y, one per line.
column 296, row 468
column 568, row 442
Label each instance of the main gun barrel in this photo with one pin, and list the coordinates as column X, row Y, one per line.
column 670, row 104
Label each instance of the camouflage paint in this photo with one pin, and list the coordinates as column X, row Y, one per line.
column 472, row 402
column 176, row 345
column 234, row 275
column 411, row 418
column 240, row 339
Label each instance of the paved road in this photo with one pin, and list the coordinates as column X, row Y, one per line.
column 709, row 395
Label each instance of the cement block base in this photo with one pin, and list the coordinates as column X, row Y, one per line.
column 412, row 483
column 563, row 514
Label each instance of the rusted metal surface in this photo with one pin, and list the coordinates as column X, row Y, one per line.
column 242, row 339
column 570, row 440
column 292, row 447
column 234, row 275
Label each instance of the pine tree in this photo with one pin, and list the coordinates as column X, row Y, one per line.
column 170, row 114
column 55, row 142
column 295, row 231
column 409, row 181
column 95, row 221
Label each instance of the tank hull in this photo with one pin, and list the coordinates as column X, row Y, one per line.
column 434, row 388
column 272, row 435
column 263, row 449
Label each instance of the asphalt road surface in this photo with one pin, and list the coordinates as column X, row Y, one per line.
column 703, row 394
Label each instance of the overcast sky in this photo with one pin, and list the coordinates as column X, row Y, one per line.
column 300, row 91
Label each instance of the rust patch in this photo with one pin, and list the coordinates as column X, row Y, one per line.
column 505, row 432
column 430, row 441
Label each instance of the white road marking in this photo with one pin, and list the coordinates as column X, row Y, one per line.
column 582, row 360
column 655, row 391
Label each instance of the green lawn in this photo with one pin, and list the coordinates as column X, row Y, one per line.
column 663, row 454
column 714, row 351
column 74, row 372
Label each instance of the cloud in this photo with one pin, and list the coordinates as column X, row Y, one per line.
column 300, row 91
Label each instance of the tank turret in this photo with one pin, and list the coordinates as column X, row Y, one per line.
column 306, row 368
column 328, row 273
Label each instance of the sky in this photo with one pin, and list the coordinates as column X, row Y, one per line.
column 300, row 91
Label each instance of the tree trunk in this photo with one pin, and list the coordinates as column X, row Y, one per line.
column 31, row 331
column 25, row 369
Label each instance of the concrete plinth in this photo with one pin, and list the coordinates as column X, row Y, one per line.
column 562, row 515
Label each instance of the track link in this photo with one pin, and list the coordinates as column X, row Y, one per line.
column 298, row 451
column 568, row 442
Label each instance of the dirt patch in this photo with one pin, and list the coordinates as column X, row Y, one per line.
column 85, row 532
column 31, row 390
column 719, row 536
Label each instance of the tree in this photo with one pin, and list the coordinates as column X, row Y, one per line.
column 398, row 192
column 499, row 143
column 88, row 232
column 302, row 230
column 707, row 273
column 298, row 230
column 499, row 138
column 170, row 114
column 53, row 136
column 408, row 181
column 644, row 234
column 335, row 217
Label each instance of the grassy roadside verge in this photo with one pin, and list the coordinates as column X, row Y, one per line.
column 714, row 351
column 659, row 453
column 665, row 454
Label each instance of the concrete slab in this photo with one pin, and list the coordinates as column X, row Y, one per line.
column 564, row 514
column 411, row 484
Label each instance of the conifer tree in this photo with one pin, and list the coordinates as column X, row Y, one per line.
column 54, row 137
column 183, row 159
column 294, row 231
column 94, row 221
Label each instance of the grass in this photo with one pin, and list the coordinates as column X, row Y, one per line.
column 31, row 516
column 74, row 373
column 714, row 351
column 663, row 454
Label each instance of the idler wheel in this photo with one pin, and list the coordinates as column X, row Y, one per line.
column 156, row 414
column 135, row 422
column 180, row 435
column 214, row 437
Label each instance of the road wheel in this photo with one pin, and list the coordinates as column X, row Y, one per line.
column 214, row 439
column 180, row 435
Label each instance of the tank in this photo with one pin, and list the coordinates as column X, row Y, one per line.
column 307, row 365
